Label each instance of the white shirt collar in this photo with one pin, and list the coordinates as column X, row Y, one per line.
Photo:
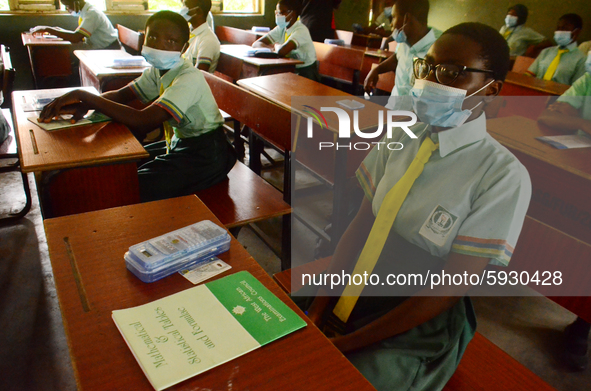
column 456, row 138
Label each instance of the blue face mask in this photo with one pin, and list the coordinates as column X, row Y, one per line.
column 75, row 13
column 399, row 35
column 161, row 59
column 511, row 21
column 280, row 21
column 184, row 12
column 563, row 38
column 439, row 105
column 388, row 12
column 588, row 63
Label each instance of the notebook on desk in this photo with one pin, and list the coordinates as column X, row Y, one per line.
column 65, row 121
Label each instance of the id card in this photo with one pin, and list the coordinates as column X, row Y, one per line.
column 205, row 271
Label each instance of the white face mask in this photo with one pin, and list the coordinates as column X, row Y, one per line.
column 511, row 20
column 161, row 59
column 184, row 12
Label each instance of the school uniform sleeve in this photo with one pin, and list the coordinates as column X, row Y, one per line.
column 497, row 214
column 575, row 96
column 207, row 51
column 579, row 70
column 372, row 169
column 145, row 87
column 275, row 35
column 532, row 36
column 89, row 25
column 534, row 68
column 300, row 36
column 180, row 95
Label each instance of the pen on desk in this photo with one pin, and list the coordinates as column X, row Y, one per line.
column 34, row 142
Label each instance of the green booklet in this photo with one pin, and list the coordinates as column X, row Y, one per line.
column 187, row 333
column 65, row 123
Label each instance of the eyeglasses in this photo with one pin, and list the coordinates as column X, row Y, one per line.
column 445, row 74
column 279, row 12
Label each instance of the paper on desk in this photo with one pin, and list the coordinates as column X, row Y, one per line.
column 128, row 62
column 578, row 140
column 205, row 271
column 37, row 101
column 65, row 123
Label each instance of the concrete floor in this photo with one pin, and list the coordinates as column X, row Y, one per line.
column 33, row 347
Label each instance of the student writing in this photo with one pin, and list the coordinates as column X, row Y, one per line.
column 563, row 63
column 196, row 154
column 94, row 28
column 292, row 39
column 204, row 46
column 457, row 199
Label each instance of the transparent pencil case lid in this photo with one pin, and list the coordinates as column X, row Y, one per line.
column 166, row 254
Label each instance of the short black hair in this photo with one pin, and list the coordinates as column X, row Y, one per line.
column 174, row 18
column 417, row 8
column 292, row 5
column 573, row 19
column 494, row 50
column 205, row 6
column 522, row 13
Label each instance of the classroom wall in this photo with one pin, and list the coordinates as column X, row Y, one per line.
column 543, row 14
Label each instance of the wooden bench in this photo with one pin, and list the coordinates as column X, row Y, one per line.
column 233, row 35
column 522, row 64
column 484, row 366
column 340, row 63
column 131, row 40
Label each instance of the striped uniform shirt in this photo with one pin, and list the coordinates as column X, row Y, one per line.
column 96, row 27
column 470, row 199
column 187, row 97
column 204, row 47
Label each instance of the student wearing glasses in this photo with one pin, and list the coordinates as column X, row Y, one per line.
column 464, row 209
column 414, row 38
column 292, row 39
column 563, row 63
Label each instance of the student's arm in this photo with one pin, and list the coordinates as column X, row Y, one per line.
column 388, row 65
column 349, row 246
column 141, row 122
column 417, row 309
column 72, row 36
column 263, row 42
column 565, row 118
column 286, row 48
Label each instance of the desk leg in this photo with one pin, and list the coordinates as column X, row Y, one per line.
column 86, row 189
column 256, row 148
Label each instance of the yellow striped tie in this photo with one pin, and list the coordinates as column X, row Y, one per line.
column 381, row 228
column 507, row 33
column 168, row 131
column 554, row 65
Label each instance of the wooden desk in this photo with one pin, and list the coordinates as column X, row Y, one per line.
column 48, row 58
column 88, row 250
column 518, row 84
column 95, row 72
column 557, row 231
column 98, row 161
column 327, row 164
column 234, row 64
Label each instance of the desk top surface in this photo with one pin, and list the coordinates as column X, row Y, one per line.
column 548, row 87
column 294, row 92
column 98, row 61
column 32, row 40
column 86, row 145
column 520, row 133
column 89, row 248
column 239, row 50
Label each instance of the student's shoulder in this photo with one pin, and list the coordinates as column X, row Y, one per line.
column 189, row 74
column 504, row 164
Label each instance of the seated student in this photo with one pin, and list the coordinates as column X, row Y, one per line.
column 464, row 211
column 519, row 37
column 204, row 46
column 94, row 28
column 292, row 39
column 210, row 21
column 414, row 37
column 563, row 63
column 572, row 110
column 196, row 154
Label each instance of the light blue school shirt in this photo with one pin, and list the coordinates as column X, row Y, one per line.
column 405, row 79
column 96, row 27
column 187, row 97
column 521, row 37
column 579, row 96
column 471, row 197
column 570, row 68
column 300, row 35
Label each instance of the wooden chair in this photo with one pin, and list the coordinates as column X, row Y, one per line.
column 236, row 36
column 484, row 366
column 522, row 64
column 340, row 64
column 131, row 40
column 8, row 149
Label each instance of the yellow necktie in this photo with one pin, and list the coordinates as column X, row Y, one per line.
column 554, row 65
column 381, row 228
column 168, row 131
column 79, row 20
column 507, row 33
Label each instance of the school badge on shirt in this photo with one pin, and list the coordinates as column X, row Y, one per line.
column 438, row 225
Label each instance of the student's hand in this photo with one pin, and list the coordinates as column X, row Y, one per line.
column 370, row 81
column 62, row 105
